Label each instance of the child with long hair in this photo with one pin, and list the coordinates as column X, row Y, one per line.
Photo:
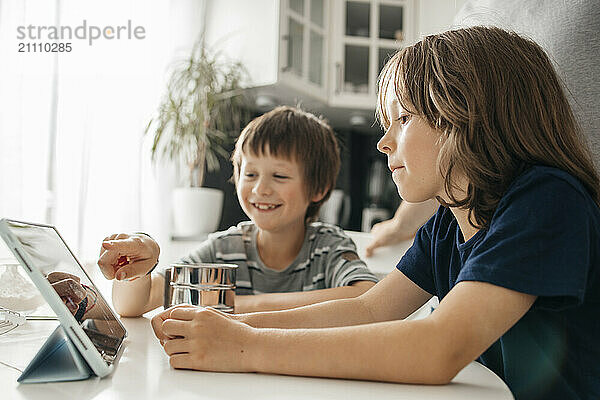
column 477, row 119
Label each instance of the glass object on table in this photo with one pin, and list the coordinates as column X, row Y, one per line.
column 17, row 292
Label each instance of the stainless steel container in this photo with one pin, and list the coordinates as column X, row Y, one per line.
column 206, row 284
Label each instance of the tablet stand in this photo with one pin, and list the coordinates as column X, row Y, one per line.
column 57, row 360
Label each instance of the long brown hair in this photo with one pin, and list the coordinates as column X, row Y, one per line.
column 500, row 108
column 294, row 134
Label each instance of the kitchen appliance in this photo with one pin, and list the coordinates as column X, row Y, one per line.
column 376, row 185
column 372, row 216
column 336, row 209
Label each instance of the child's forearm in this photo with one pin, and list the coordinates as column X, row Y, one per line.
column 341, row 312
column 395, row 351
column 394, row 297
column 134, row 298
column 431, row 350
column 284, row 301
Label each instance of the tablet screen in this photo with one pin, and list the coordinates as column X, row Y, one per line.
column 53, row 258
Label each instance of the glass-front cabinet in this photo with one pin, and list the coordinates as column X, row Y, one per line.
column 330, row 51
column 364, row 35
column 304, row 43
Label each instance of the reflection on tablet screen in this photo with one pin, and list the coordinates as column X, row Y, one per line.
column 54, row 259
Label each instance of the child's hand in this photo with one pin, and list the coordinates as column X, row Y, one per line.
column 126, row 257
column 386, row 233
column 158, row 320
column 203, row 339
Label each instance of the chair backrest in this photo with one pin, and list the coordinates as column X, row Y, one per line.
column 569, row 31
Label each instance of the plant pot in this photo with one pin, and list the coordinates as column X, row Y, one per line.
column 196, row 210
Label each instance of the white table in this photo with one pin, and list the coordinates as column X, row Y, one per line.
column 143, row 372
column 384, row 259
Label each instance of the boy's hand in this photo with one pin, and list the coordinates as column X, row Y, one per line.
column 204, row 339
column 158, row 319
column 124, row 256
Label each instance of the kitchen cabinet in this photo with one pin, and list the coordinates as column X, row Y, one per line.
column 364, row 35
column 304, row 41
column 325, row 53
column 283, row 44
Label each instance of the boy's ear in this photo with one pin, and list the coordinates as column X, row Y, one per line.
column 319, row 196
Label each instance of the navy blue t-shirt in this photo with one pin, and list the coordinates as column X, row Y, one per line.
column 544, row 240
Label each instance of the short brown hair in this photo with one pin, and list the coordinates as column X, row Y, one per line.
column 500, row 108
column 297, row 135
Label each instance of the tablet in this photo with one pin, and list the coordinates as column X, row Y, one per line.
column 84, row 314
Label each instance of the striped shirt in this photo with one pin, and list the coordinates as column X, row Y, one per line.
column 327, row 259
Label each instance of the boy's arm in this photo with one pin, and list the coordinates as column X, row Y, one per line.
column 431, row 350
column 394, row 297
column 134, row 290
column 284, row 301
column 134, row 298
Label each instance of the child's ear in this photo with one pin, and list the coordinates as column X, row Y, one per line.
column 319, row 196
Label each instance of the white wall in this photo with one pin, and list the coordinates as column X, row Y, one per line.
column 436, row 15
column 246, row 31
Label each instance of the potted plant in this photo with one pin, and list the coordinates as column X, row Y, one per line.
column 203, row 108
